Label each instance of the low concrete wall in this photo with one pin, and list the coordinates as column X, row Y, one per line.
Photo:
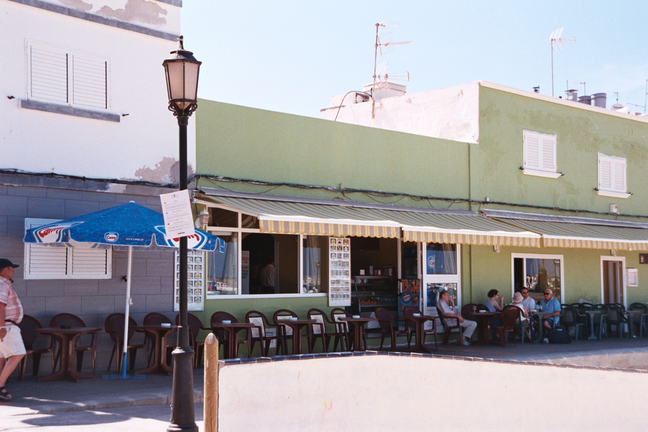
column 422, row 393
column 630, row 359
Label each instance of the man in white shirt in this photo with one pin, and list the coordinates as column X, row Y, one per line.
column 528, row 301
column 267, row 276
column 446, row 304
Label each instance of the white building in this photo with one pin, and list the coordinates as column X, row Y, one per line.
column 85, row 126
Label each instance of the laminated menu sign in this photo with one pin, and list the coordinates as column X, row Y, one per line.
column 339, row 272
column 195, row 281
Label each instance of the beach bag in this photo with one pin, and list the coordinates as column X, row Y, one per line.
column 559, row 336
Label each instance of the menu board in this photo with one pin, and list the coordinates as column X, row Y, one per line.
column 195, row 281
column 339, row 272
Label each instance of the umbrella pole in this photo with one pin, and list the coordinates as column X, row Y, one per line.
column 127, row 310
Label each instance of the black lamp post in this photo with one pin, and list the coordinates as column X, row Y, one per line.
column 182, row 84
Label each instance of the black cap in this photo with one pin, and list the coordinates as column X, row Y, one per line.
column 6, row 263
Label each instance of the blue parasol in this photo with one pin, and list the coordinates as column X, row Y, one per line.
column 125, row 225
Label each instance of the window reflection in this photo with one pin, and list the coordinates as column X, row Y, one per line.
column 441, row 258
column 315, row 265
column 222, row 269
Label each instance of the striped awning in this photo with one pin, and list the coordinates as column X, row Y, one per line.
column 281, row 217
column 589, row 236
column 284, row 217
column 461, row 228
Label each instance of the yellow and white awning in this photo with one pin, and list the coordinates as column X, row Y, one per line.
column 576, row 235
column 282, row 217
column 357, row 220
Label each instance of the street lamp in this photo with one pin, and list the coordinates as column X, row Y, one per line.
column 182, row 85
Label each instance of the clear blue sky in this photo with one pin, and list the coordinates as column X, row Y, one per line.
column 292, row 56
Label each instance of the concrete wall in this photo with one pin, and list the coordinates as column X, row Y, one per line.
column 581, row 132
column 92, row 300
column 246, row 143
column 397, row 393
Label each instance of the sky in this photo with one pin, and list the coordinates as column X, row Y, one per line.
column 292, row 56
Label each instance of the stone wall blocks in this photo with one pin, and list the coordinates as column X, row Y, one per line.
column 57, row 305
column 27, row 191
column 13, row 205
column 74, row 208
column 46, row 208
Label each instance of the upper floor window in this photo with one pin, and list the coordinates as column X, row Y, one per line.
column 59, row 75
column 540, row 155
column 612, row 176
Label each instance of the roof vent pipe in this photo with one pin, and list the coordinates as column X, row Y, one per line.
column 585, row 99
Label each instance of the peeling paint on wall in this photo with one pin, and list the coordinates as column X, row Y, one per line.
column 166, row 171
column 136, row 10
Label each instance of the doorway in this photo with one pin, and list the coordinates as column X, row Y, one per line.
column 612, row 280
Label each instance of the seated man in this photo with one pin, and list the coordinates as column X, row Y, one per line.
column 528, row 301
column 551, row 308
column 446, row 304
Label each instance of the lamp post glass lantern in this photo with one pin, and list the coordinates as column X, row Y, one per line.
column 182, row 86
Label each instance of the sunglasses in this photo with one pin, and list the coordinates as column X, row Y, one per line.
column 547, row 293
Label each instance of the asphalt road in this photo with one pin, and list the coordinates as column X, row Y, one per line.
column 133, row 418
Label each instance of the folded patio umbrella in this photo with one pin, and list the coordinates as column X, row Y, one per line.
column 130, row 225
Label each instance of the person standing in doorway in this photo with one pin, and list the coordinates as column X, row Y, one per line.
column 12, row 349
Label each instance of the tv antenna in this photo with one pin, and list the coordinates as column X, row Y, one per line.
column 557, row 42
column 584, row 84
column 380, row 74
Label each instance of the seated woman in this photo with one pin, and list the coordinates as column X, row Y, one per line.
column 495, row 302
column 524, row 318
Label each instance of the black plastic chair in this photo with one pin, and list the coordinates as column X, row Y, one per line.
column 114, row 326
column 570, row 317
column 639, row 316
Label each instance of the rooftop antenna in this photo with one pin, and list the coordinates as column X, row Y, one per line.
column 557, row 42
column 379, row 46
column 583, row 83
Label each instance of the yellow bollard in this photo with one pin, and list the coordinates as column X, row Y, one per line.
column 210, row 405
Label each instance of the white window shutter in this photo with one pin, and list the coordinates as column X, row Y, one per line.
column 532, row 150
column 48, row 75
column 605, row 174
column 89, row 263
column 619, row 175
column 548, row 146
column 46, row 262
column 89, row 82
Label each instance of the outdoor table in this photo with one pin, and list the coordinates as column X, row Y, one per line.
column 539, row 314
column 358, row 324
column 160, row 334
column 592, row 317
column 297, row 327
column 419, row 323
column 486, row 318
column 233, row 329
column 68, row 339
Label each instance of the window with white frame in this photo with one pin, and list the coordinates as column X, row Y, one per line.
column 540, row 154
column 84, row 261
column 612, row 176
column 62, row 76
column 537, row 273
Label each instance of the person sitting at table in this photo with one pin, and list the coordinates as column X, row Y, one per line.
column 495, row 302
column 446, row 304
column 551, row 308
column 524, row 318
column 528, row 301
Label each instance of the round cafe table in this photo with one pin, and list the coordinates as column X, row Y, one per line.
column 419, row 339
column 160, row 334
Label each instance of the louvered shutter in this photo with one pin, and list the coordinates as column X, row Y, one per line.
column 619, row 175
column 531, row 150
column 46, row 262
column 605, row 174
column 548, row 146
column 89, row 263
column 48, row 70
column 89, row 82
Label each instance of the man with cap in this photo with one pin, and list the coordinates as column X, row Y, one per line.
column 12, row 349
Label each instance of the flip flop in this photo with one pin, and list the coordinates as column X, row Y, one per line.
column 4, row 395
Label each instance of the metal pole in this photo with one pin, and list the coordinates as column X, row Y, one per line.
column 127, row 309
column 182, row 397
